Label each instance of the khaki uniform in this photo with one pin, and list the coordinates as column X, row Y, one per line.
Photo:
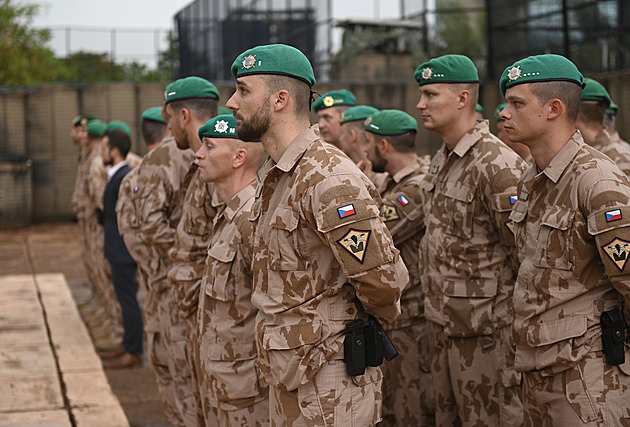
column 227, row 327
column 617, row 150
column 188, row 256
column 469, row 265
column 322, row 257
column 158, row 201
column 573, row 237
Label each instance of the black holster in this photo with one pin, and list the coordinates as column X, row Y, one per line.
column 365, row 345
column 613, row 336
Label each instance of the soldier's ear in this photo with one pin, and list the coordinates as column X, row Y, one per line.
column 240, row 157
column 281, row 99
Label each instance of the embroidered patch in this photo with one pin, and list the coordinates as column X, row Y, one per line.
column 402, row 200
column 356, row 242
column 613, row 215
column 513, row 199
column 135, row 190
column 390, row 213
column 346, row 211
column 510, row 226
column 617, row 251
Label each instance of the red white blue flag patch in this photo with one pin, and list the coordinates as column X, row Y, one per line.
column 613, row 215
column 513, row 199
column 402, row 200
column 346, row 211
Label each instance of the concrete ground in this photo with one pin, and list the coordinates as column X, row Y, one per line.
column 36, row 252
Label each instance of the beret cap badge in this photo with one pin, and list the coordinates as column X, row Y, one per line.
column 427, row 73
column 514, row 73
column 249, row 62
column 221, row 126
column 328, row 101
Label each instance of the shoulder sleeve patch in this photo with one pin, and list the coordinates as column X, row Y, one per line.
column 607, row 219
column 389, row 213
column 344, row 214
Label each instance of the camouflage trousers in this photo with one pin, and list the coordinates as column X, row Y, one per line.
column 192, row 356
column 407, row 385
column 330, row 399
column 167, row 353
column 474, row 379
column 591, row 393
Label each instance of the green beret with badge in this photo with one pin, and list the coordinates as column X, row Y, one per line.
column 497, row 112
column 612, row 109
column 540, row 68
column 447, row 69
column 595, row 91
column 391, row 123
column 333, row 99
column 96, row 127
column 192, row 87
column 81, row 120
column 222, row 126
column 119, row 125
column 279, row 59
column 154, row 114
column 358, row 112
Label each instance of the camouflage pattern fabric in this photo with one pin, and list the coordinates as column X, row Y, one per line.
column 407, row 385
column 617, row 150
column 572, row 224
column 227, row 318
column 322, row 257
column 468, row 255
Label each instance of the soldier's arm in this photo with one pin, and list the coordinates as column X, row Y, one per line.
column 347, row 215
column 97, row 182
column 402, row 211
column 155, row 199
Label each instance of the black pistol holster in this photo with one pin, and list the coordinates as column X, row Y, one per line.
column 613, row 336
column 366, row 345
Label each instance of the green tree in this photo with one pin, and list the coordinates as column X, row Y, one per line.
column 24, row 57
column 91, row 67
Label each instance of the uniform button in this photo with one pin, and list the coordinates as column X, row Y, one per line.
column 571, row 396
column 350, row 311
column 304, row 404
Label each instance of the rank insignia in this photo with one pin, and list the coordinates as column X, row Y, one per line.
column 617, row 251
column 613, row 215
column 427, row 73
column 221, row 126
column 390, row 213
column 402, row 200
column 513, row 199
column 249, row 62
column 328, row 101
column 514, row 73
column 510, row 226
column 346, row 211
column 135, row 190
column 356, row 242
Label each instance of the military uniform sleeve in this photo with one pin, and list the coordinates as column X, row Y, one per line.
column 347, row 215
column 97, row 182
column 402, row 212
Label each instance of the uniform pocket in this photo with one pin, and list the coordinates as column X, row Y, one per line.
column 220, row 258
column 284, row 247
column 468, row 307
column 459, row 209
column 555, row 239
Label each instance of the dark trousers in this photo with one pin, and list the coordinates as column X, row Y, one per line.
column 125, row 285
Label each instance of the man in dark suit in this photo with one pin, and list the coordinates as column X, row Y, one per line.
column 116, row 145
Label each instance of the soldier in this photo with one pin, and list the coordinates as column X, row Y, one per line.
column 353, row 137
column 190, row 249
column 407, row 387
column 329, row 108
column 590, row 123
column 610, row 120
column 160, row 198
column 227, row 325
column 520, row 149
column 468, row 257
column 571, row 223
column 322, row 255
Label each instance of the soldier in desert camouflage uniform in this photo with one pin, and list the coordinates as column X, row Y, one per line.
column 329, row 108
column 590, row 123
column 322, row 255
column 407, row 386
column 192, row 235
column 227, row 326
column 572, row 229
column 468, row 257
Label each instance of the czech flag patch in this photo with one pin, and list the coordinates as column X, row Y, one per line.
column 402, row 200
column 346, row 211
column 613, row 215
column 513, row 199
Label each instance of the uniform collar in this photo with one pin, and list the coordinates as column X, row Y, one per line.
column 296, row 149
column 407, row 170
column 238, row 201
column 561, row 161
column 471, row 138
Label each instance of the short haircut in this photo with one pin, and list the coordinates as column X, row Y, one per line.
column 569, row 93
column 473, row 90
column 358, row 126
column 299, row 90
column 120, row 140
column 152, row 131
column 202, row 108
column 403, row 143
column 593, row 112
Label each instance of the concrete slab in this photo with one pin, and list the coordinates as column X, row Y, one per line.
column 104, row 416
column 24, row 336
column 78, row 358
column 57, row 418
column 27, row 360
column 30, row 392
column 85, row 389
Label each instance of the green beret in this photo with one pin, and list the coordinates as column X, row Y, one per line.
column 479, row 108
column 447, row 69
column 612, row 109
column 333, row 99
column 153, row 114
column 119, row 125
column 274, row 59
column 391, row 122
column 498, row 110
column 224, row 110
column 81, row 120
column 222, row 126
column 594, row 91
column 190, row 88
column 540, row 68
column 359, row 112
column 96, row 127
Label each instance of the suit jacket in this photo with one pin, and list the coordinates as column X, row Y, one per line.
column 115, row 250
